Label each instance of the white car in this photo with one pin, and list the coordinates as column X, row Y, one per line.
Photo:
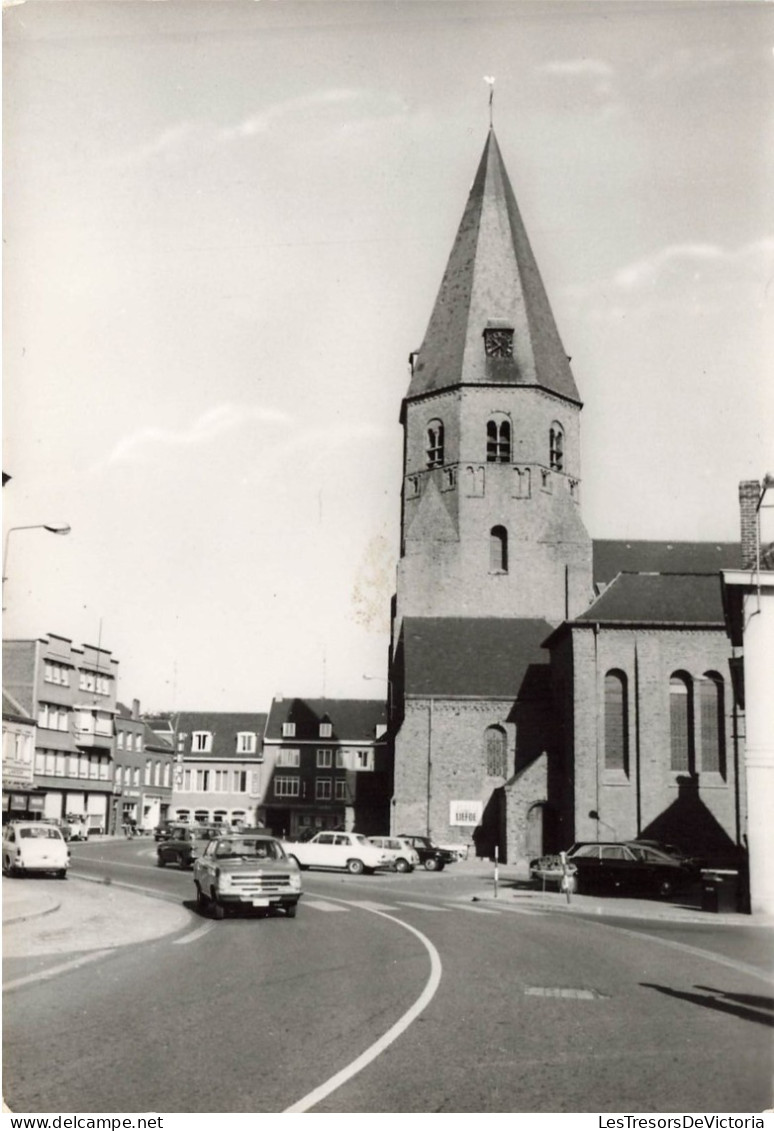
column 34, row 846
column 403, row 857
column 338, row 850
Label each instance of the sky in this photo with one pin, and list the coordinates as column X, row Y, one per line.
column 225, row 225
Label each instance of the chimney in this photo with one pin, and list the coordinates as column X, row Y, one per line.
column 749, row 496
column 135, row 708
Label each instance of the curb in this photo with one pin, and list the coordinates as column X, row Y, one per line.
column 691, row 917
column 27, row 915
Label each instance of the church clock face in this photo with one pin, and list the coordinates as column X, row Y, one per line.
column 498, row 343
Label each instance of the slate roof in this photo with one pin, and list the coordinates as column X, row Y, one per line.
column 352, row 720
column 484, row 657
column 491, row 279
column 12, row 709
column 224, row 726
column 662, row 598
column 612, row 557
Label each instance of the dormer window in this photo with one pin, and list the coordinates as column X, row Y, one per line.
column 288, row 730
column 246, row 742
column 498, row 341
column 326, row 730
column 201, row 742
column 434, row 445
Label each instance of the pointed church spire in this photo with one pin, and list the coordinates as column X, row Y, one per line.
column 491, row 287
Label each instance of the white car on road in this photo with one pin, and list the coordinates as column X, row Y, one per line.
column 34, row 846
column 338, row 850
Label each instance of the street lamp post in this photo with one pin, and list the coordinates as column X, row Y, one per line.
column 52, row 528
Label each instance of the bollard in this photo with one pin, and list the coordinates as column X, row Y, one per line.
column 496, row 869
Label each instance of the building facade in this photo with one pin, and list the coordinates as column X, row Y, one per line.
column 218, row 774
column 546, row 687
column 327, row 766
column 70, row 691
column 21, row 798
column 144, row 766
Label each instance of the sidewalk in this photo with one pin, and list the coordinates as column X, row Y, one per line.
column 44, row 917
column 516, row 890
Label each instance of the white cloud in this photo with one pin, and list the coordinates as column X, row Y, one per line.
column 216, row 422
column 689, row 261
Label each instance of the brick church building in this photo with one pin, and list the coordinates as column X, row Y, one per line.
column 546, row 687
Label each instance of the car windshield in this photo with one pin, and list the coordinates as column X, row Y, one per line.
column 40, row 832
column 252, row 849
column 358, row 838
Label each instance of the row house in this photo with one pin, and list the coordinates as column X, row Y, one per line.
column 326, row 766
column 218, row 773
column 21, row 799
column 143, row 775
column 70, row 692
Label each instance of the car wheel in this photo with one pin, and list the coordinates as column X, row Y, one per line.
column 61, row 874
column 356, row 867
column 218, row 910
column 401, row 865
column 665, row 888
column 432, row 865
column 161, row 862
column 201, row 898
column 290, row 910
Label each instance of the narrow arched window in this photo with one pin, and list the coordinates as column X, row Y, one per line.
column 556, row 447
column 498, row 549
column 682, row 753
column 498, row 441
column 496, row 748
column 713, row 729
column 434, row 444
column 616, row 722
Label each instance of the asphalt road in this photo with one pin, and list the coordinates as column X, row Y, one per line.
column 457, row 1006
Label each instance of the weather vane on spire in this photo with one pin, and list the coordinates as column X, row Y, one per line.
column 489, row 80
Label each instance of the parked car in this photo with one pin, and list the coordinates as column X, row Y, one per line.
column 184, row 845
column 431, row 857
column 627, row 868
column 248, row 871
column 337, row 850
column 694, row 862
column 403, row 857
column 34, row 846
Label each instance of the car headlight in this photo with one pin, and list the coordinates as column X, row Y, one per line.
column 295, row 881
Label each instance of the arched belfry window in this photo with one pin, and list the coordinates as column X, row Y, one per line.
column 498, row 440
column 434, row 443
column 712, row 721
column 682, row 751
column 616, row 722
column 556, row 447
column 498, row 550
column 496, row 748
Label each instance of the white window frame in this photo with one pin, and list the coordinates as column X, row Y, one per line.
column 326, row 730
column 324, row 758
column 288, row 730
column 246, row 742
column 323, row 789
column 289, row 757
column 201, row 742
column 286, row 786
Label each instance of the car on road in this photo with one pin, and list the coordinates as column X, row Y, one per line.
column 431, row 857
column 351, row 851
column 249, row 871
column 184, row 845
column 34, row 846
column 628, row 868
column 403, row 857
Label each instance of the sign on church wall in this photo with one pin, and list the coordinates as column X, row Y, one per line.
column 465, row 812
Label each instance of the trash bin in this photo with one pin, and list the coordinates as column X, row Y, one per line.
column 719, row 890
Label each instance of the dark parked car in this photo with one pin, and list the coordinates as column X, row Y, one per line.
column 185, row 845
column 627, row 868
column 431, row 857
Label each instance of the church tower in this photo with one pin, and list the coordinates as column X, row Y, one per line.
column 491, row 523
column 494, row 554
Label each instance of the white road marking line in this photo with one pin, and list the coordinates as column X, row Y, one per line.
column 369, row 905
column 197, row 933
column 320, row 905
column 54, row 971
column 392, row 1034
column 423, row 906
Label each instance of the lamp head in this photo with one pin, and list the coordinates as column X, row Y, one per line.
column 60, row 529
